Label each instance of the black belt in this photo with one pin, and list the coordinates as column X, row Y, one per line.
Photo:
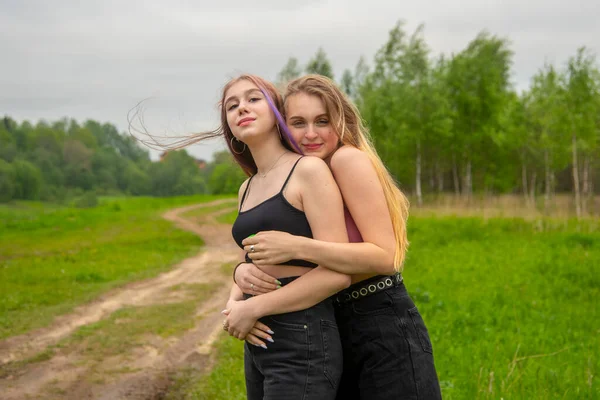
column 367, row 288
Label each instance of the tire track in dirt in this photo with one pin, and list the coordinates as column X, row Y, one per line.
column 144, row 371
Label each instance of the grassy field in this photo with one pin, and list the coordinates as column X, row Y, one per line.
column 512, row 307
column 228, row 218
column 200, row 212
column 511, row 304
column 224, row 381
column 54, row 258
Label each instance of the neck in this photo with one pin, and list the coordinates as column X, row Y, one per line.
column 266, row 152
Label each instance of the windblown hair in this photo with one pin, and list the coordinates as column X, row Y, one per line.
column 240, row 153
column 351, row 130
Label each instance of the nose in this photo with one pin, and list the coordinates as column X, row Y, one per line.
column 311, row 132
column 242, row 107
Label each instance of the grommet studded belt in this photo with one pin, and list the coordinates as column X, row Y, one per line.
column 367, row 288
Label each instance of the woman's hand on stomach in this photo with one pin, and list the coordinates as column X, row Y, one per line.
column 256, row 280
column 252, row 280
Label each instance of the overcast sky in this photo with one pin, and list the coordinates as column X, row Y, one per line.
column 97, row 59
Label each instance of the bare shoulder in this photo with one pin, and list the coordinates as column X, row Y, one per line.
column 310, row 167
column 348, row 158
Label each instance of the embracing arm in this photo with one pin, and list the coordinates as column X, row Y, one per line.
column 235, row 294
column 364, row 198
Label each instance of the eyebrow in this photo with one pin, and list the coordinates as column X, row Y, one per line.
column 246, row 93
column 301, row 117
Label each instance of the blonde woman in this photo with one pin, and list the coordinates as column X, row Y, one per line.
column 387, row 350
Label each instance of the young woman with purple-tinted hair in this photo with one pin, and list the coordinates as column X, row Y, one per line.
column 295, row 194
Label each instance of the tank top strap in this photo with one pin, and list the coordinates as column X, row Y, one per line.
column 245, row 192
column 290, row 174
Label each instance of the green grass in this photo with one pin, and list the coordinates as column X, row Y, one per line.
column 225, row 381
column 128, row 327
column 200, row 212
column 55, row 258
column 512, row 308
column 228, row 218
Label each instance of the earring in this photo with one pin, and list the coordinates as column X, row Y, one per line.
column 233, row 148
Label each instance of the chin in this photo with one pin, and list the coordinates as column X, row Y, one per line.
column 317, row 153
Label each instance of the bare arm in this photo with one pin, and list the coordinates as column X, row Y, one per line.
column 323, row 207
column 235, row 294
column 364, row 198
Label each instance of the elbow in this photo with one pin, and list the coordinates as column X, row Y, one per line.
column 389, row 270
column 387, row 267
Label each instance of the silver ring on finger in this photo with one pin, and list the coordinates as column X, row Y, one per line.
column 252, row 248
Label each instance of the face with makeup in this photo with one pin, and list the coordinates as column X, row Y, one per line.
column 248, row 112
column 310, row 125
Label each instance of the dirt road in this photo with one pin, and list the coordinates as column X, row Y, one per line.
column 140, row 372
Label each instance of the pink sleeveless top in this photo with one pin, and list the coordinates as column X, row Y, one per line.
column 354, row 235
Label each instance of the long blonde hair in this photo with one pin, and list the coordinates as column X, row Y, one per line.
column 351, row 130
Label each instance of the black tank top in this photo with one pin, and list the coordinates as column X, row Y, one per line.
column 273, row 214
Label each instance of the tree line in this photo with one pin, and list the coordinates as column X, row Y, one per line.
column 455, row 123
column 442, row 124
column 66, row 161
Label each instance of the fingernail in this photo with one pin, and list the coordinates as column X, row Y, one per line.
column 224, row 311
column 251, row 236
column 270, row 332
column 278, row 286
column 277, row 282
column 270, row 340
column 263, row 346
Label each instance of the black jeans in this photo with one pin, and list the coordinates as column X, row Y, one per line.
column 304, row 363
column 387, row 351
